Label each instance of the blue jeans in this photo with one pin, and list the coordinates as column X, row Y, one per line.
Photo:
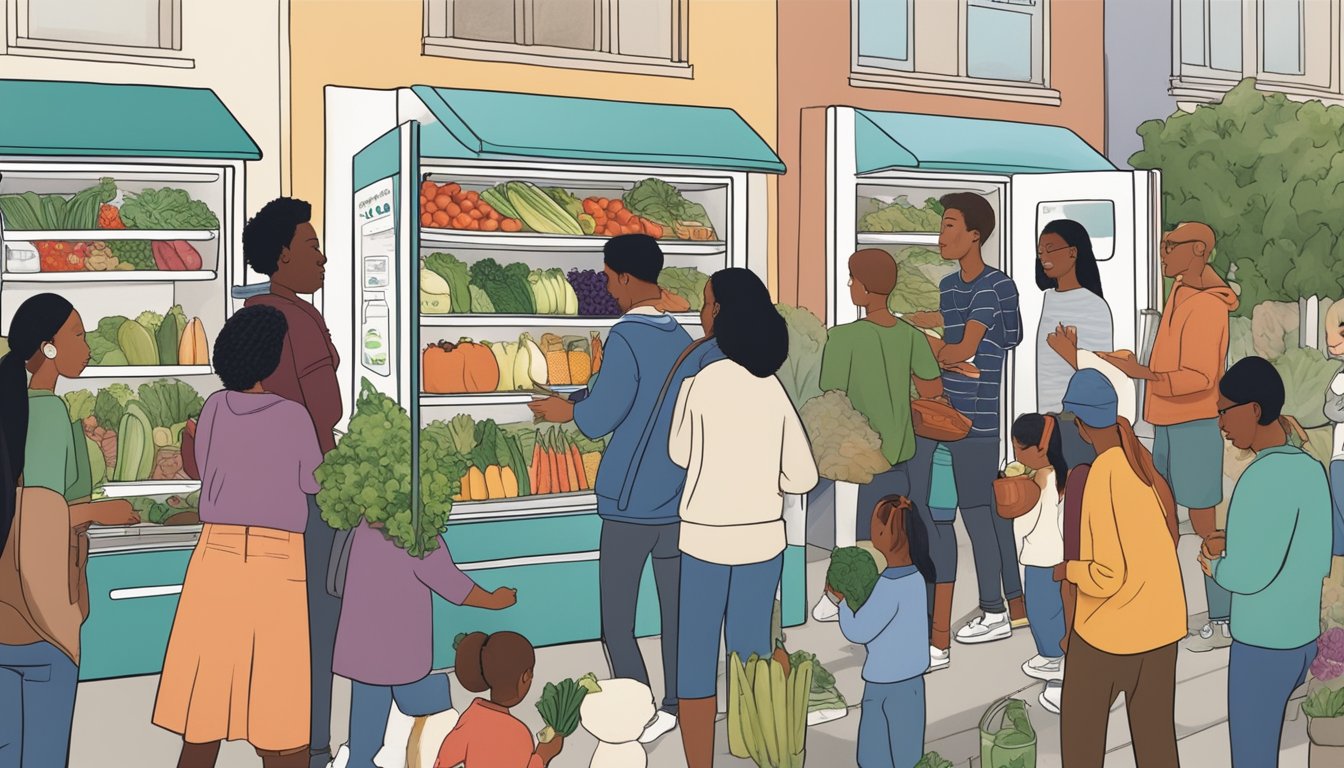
column 891, row 724
column 735, row 602
column 1259, row 683
column 1337, row 501
column 371, row 705
column 1045, row 610
column 37, row 705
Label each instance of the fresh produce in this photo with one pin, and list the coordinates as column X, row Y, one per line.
column 169, row 335
column 498, row 198
column 580, row 359
column 507, row 287
column 135, row 446
column 844, row 444
column 101, row 258
column 685, row 282
column 109, row 217
column 494, row 462
column 901, row 216
column 175, row 510
column 168, row 403
column 122, row 431
column 539, row 211
column 596, row 344
column 1329, row 662
column 767, row 711
column 30, row 211
column 150, row 339
column 136, row 343
column 852, row 573
column 166, row 208
column 611, row 217
column 671, row 302
column 1018, row 469
column 60, row 256
column 175, row 256
column 823, row 696
column 521, row 365
column 460, row 368
column 455, row 275
column 559, row 464
column 801, row 372
column 565, row 199
column 435, row 296
column 480, row 301
column 1324, row 702
column 552, row 294
column 660, row 202
column 590, row 287
column 139, row 254
column 557, row 360
column 559, row 708
column 934, row 760
column 1013, row 745
column 368, row 475
column 451, row 207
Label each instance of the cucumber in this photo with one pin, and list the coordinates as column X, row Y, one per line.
column 498, row 198
column 540, row 212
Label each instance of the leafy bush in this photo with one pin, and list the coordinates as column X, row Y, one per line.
column 1262, row 171
column 933, row 760
column 1306, row 374
column 1324, row 703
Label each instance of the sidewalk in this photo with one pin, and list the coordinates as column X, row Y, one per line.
column 112, row 725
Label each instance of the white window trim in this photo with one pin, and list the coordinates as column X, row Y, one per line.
column 914, row 81
column 167, row 54
column 439, row 42
column 1195, row 84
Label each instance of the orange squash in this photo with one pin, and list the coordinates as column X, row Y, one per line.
column 443, row 369
column 480, row 369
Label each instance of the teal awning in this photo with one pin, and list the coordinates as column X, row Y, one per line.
column 50, row 118
column 888, row 140
column 489, row 125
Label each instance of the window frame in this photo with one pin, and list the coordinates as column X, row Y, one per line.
column 438, row 41
column 1321, row 56
column 168, row 53
column 864, row 74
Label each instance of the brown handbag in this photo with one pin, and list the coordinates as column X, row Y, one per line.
column 935, row 419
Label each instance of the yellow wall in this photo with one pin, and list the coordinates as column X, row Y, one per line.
column 377, row 44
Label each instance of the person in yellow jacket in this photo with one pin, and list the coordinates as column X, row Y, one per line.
column 1130, row 612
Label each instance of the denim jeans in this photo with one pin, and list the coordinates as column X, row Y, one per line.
column 37, row 705
column 623, row 550
column 891, row 724
column 1045, row 610
column 324, row 614
column 735, row 602
column 1259, row 683
column 371, row 705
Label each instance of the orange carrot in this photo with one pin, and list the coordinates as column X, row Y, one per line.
column 560, row 465
column 534, row 467
column 576, row 461
column 568, row 460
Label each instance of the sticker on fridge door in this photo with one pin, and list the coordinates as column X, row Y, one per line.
column 376, row 335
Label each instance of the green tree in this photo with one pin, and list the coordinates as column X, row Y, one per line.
column 1266, row 173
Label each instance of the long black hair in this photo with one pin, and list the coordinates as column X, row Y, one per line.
column 1085, row 267
column 37, row 320
column 750, row 331
column 1028, row 430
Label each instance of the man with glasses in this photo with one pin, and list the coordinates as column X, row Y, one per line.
column 1188, row 360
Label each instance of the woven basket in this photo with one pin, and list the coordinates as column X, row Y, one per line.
column 1015, row 496
column 937, row 420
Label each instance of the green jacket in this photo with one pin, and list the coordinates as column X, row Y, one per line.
column 1279, row 535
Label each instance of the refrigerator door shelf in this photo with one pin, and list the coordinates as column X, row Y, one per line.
column 534, row 321
column 89, row 235
column 145, row 371
column 430, row 238
column 119, row 276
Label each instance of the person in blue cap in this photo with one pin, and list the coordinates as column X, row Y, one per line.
column 1130, row 613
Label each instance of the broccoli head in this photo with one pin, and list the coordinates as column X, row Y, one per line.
column 852, row 573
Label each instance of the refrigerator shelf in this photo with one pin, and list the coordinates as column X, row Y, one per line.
column 531, row 241
column 119, row 276
column 145, row 371
column 525, row 506
column 429, row 400
column 150, row 488
column 898, row 238
column 90, row 235
column 534, row 321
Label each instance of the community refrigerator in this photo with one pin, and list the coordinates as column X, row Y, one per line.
column 548, row 180
column 137, row 222
column 885, row 172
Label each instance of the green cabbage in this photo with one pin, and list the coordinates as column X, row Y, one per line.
column 901, row 216
column 852, row 573
column 103, row 340
column 801, row 372
column 110, row 405
column 166, row 209
column 843, row 442
column 456, row 275
column 80, row 404
column 660, row 202
column 685, row 282
column 168, row 402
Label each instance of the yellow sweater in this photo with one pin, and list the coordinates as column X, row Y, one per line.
column 1130, row 595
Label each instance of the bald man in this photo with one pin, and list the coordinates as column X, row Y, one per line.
column 1188, row 359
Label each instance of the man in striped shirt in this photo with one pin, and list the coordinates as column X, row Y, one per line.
column 981, row 321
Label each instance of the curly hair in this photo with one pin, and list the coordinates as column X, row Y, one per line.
column 271, row 231
column 248, row 347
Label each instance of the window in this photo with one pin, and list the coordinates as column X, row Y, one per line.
column 1288, row 45
column 972, row 47
column 640, row 36
column 1096, row 216
column 138, row 31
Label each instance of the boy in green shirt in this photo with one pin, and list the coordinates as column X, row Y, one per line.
column 873, row 361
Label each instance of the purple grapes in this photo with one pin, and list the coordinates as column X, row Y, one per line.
column 591, row 288
column 1329, row 663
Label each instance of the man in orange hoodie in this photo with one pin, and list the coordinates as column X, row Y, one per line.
column 1188, row 358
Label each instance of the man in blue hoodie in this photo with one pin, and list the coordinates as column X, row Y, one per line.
column 638, row 486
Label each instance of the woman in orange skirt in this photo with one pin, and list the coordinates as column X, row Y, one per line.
column 237, row 665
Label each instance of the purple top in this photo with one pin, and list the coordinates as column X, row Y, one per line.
column 256, row 453
column 386, row 634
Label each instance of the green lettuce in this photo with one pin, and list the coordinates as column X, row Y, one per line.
column 455, row 273
column 80, row 404
column 852, row 573
column 110, row 405
column 103, row 340
column 901, row 216
column 166, row 209
column 168, row 402
column 685, row 282
column 914, row 293
column 801, row 372
column 660, row 202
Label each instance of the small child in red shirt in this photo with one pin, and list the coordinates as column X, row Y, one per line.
column 487, row 735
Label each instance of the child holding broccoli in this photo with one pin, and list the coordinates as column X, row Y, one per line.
column 893, row 624
column 488, row 735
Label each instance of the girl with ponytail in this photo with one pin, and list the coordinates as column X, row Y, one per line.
column 1039, row 445
column 45, row 484
column 488, row 735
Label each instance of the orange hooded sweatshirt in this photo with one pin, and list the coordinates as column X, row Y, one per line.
column 1189, row 355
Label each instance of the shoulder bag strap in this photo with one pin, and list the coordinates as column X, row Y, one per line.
column 642, row 447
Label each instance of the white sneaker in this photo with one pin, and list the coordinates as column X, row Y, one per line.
column 1222, row 627
column 986, row 628
column 341, row 759
column 1043, row 668
column 823, row 716
column 663, row 723
column 939, row 659
column 1052, row 697
column 826, row 610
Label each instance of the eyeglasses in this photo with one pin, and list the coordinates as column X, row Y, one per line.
column 1224, row 411
column 1043, row 254
column 1168, row 246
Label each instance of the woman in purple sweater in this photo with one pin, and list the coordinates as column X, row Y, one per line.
column 237, row 665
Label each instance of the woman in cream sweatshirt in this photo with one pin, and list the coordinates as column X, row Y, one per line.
column 742, row 443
